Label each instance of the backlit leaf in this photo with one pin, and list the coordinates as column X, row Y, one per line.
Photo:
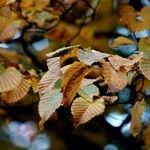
column 10, row 79
column 137, row 110
column 18, row 93
column 48, row 104
column 83, row 110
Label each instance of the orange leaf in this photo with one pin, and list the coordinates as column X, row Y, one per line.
column 72, row 81
column 137, row 110
column 83, row 110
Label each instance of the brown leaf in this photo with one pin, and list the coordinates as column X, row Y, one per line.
column 72, row 81
column 137, row 110
column 10, row 79
column 116, row 80
column 83, row 110
column 18, row 93
column 88, row 56
column 144, row 66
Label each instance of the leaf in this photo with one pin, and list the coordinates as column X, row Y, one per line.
column 127, row 63
column 136, row 21
column 83, row 110
column 18, row 93
column 86, row 82
column 48, row 80
column 10, row 79
column 72, row 81
column 88, row 92
column 137, row 110
column 144, row 66
column 144, row 46
column 48, row 104
column 59, row 51
column 121, row 41
column 9, row 28
column 116, row 80
column 89, row 56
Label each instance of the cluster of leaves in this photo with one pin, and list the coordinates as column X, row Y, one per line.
column 83, row 79
column 15, row 80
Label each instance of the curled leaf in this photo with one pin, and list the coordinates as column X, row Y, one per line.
column 83, row 110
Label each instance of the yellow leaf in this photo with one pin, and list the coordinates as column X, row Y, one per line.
column 72, row 80
column 83, row 110
column 10, row 79
column 18, row 93
column 137, row 110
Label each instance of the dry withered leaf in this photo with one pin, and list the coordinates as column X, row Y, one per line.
column 89, row 56
column 10, row 79
column 48, row 104
column 17, row 93
column 116, row 80
column 72, row 80
column 137, row 110
column 136, row 21
column 121, row 41
column 83, row 110
column 144, row 65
